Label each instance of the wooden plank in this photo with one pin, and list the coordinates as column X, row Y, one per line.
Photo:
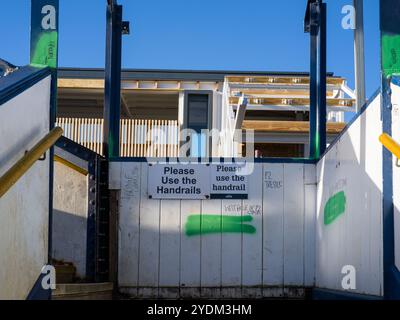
column 170, row 236
column 211, row 254
column 273, row 230
column 149, row 240
column 293, row 101
column 81, row 83
column 293, row 203
column 288, row 126
column 293, row 92
column 280, row 79
column 252, row 243
column 231, row 254
column 190, row 253
column 129, row 215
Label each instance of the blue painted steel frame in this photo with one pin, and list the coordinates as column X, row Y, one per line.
column 20, row 80
column 389, row 10
column 92, row 159
column 391, row 275
column 112, row 91
column 321, row 82
column 220, row 160
column 315, row 24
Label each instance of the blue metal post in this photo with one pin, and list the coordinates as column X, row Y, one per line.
column 313, row 79
column 112, row 94
column 390, row 69
column 315, row 24
column 44, row 52
column 321, row 107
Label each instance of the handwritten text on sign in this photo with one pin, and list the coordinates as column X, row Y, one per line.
column 196, row 181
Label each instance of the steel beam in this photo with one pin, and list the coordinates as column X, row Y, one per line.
column 315, row 24
column 112, row 92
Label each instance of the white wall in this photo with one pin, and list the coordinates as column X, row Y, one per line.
column 70, row 212
column 352, row 166
column 24, row 210
column 157, row 258
column 396, row 170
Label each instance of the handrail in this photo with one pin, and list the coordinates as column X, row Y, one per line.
column 26, row 162
column 390, row 144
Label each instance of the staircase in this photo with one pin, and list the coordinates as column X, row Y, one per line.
column 70, row 287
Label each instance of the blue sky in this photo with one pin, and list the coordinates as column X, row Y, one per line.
column 207, row 34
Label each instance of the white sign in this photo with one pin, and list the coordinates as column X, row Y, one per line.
column 196, row 181
column 227, row 182
column 178, row 181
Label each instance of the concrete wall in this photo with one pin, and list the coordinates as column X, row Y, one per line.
column 24, row 210
column 157, row 258
column 349, row 207
column 70, row 217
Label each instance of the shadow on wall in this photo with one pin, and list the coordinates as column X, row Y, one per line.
column 69, row 240
column 18, row 149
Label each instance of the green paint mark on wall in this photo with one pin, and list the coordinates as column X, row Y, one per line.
column 335, row 206
column 211, row 224
column 391, row 54
column 45, row 53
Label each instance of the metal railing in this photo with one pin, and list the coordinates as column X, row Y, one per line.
column 12, row 176
column 390, row 144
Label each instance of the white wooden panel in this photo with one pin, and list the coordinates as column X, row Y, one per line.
column 396, row 171
column 273, row 229
column 354, row 167
column 128, row 253
column 310, row 193
column 231, row 259
column 252, row 243
column 190, row 252
column 170, row 241
column 114, row 174
column 149, row 240
column 293, row 250
column 211, row 254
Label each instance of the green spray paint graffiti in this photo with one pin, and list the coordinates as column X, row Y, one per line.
column 45, row 53
column 335, row 206
column 211, row 224
column 390, row 36
column 391, row 54
column 44, row 33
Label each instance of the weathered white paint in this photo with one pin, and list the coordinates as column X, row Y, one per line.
column 171, row 264
column 70, row 212
column 353, row 165
column 24, row 209
column 396, row 170
column 273, row 229
column 211, row 255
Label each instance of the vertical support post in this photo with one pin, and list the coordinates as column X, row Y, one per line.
column 321, row 107
column 313, row 80
column 315, row 24
column 112, row 94
column 390, row 53
column 44, row 52
column 359, row 56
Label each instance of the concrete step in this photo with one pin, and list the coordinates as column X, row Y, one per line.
column 83, row 291
column 65, row 273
